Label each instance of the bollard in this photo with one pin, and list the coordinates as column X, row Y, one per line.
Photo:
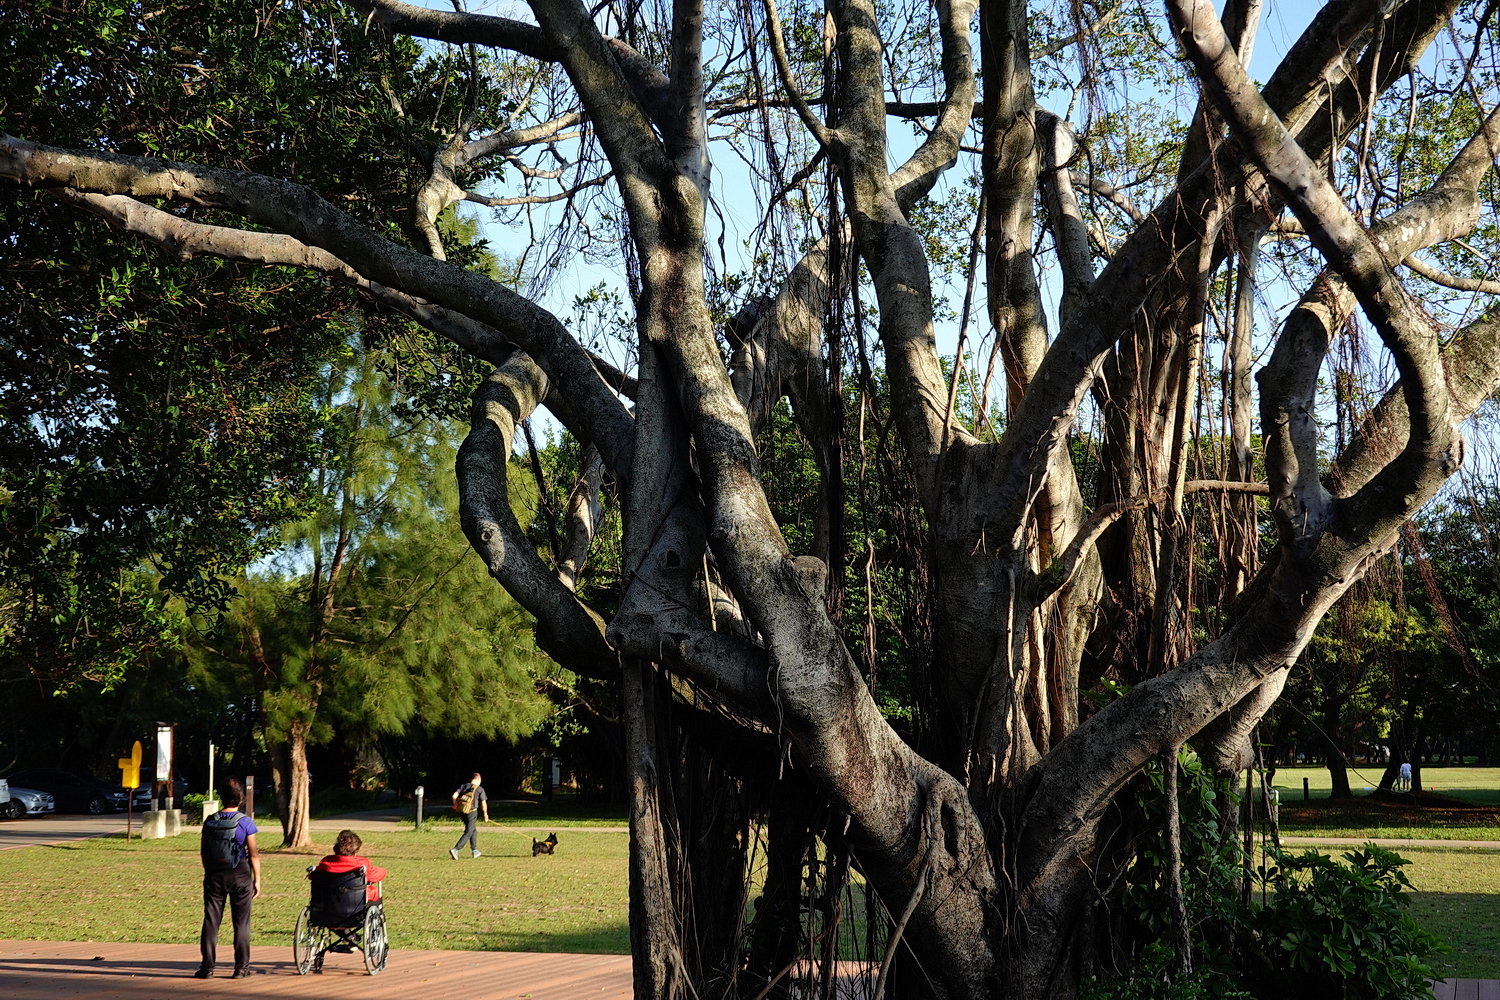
column 1306, row 795
column 419, row 808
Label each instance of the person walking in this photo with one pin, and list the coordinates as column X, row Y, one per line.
column 469, row 801
column 231, row 871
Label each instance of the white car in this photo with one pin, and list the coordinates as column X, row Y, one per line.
column 28, row 802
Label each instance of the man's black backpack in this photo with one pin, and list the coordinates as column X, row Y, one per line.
column 221, row 851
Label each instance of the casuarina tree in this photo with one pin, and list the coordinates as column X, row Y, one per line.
column 986, row 835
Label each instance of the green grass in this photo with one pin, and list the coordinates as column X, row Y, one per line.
column 1458, row 899
column 1480, row 785
column 106, row 889
column 109, row 890
column 534, row 814
column 1465, row 806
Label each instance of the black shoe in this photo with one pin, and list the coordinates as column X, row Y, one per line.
column 243, row 972
column 204, row 972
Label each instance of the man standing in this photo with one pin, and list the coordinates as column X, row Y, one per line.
column 231, row 870
column 469, row 801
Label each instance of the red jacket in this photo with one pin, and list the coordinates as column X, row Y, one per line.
column 338, row 863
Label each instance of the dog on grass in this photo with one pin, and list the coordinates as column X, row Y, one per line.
column 547, row 846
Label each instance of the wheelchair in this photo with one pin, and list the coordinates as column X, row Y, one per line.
column 340, row 918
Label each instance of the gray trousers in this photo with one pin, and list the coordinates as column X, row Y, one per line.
column 471, row 832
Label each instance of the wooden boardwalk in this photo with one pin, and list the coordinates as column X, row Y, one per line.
column 45, row 970
column 85, row 970
column 1467, row 989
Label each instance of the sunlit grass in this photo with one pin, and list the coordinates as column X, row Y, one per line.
column 106, row 889
column 1480, row 785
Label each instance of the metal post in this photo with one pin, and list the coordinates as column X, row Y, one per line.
column 420, row 790
column 1306, row 795
column 210, row 769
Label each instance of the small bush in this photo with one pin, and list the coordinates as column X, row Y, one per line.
column 1326, row 929
column 192, row 807
column 1340, row 928
column 1151, row 979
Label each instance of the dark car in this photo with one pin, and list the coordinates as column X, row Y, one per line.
column 73, row 792
column 143, row 794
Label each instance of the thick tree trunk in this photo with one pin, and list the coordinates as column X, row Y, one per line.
column 289, row 776
column 655, row 925
column 1338, row 766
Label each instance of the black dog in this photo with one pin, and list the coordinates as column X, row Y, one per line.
column 547, row 846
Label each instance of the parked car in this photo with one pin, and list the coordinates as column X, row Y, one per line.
column 72, row 792
column 28, row 802
column 143, row 794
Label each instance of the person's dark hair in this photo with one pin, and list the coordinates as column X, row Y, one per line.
column 347, row 843
column 234, row 793
column 476, row 774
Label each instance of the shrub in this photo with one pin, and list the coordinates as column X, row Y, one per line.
column 1340, row 928
column 192, row 807
column 1326, row 928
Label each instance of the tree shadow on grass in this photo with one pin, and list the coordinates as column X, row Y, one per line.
column 1467, row 922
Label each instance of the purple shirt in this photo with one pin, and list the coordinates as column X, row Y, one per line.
column 245, row 828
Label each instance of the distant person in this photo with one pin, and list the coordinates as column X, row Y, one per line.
column 346, row 858
column 1405, row 780
column 231, row 870
column 469, row 801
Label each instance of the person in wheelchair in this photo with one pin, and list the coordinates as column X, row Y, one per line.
column 346, row 858
column 346, row 913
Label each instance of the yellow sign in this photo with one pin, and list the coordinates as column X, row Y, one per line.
column 130, row 768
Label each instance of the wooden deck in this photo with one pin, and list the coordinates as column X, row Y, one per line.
column 45, row 970
column 83, row 970
column 1467, row 989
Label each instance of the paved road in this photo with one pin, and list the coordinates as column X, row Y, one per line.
column 59, row 828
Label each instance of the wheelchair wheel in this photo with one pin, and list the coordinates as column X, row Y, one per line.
column 307, row 942
column 376, row 946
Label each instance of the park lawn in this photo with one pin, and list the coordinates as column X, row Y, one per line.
column 1480, row 785
column 1458, row 899
column 531, row 814
column 107, row 889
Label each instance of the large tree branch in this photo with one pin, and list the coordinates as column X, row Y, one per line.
column 460, row 28
column 581, row 519
column 568, row 630
column 185, row 239
column 893, row 252
column 1039, row 430
column 687, row 138
column 299, row 212
column 642, row 167
column 1433, row 445
column 1068, row 227
column 939, row 150
column 1454, row 281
